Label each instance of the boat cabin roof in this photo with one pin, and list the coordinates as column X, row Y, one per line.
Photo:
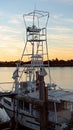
column 55, row 95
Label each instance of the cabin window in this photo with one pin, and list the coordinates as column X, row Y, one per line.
column 20, row 104
column 7, row 102
column 26, row 106
column 69, row 106
column 65, row 105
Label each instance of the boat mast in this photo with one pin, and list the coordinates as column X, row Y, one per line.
column 36, row 36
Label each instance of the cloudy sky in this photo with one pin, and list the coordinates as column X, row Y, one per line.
column 60, row 27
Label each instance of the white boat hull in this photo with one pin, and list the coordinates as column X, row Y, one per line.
column 24, row 119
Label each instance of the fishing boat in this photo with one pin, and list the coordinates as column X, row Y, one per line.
column 37, row 104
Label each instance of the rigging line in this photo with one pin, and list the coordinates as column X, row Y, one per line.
column 21, row 74
column 22, row 57
column 24, row 21
column 6, row 82
column 2, row 88
column 48, row 61
column 21, row 60
column 23, row 52
column 23, row 40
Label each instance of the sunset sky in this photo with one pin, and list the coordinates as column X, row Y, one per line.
column 60, row 27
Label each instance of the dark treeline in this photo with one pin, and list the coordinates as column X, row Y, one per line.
column 61, row 63
column 52, row 63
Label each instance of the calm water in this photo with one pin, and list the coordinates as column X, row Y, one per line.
column 62, row 76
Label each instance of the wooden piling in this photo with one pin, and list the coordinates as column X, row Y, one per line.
column 44, row 110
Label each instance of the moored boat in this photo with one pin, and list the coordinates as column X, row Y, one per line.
column 37, row 104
